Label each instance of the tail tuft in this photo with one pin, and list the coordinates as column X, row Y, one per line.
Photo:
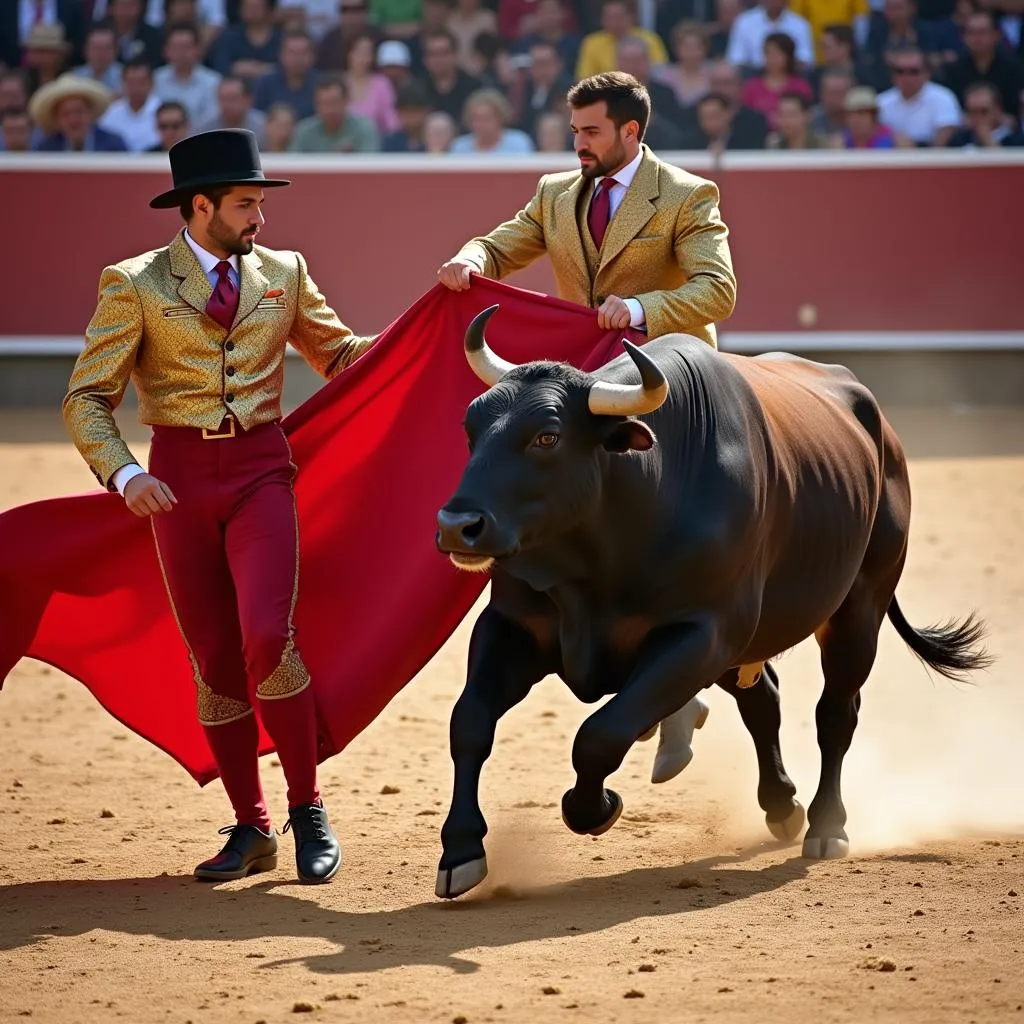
column 952, row 649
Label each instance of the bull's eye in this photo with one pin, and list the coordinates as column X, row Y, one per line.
column 546, row 440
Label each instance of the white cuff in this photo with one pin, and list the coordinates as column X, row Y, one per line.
column 637, row 316
column 124, row 474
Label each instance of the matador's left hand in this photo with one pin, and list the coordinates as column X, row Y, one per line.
column 613, row 313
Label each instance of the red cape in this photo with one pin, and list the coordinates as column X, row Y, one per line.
column 379, row 450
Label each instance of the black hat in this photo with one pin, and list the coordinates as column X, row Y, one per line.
column 228, row 156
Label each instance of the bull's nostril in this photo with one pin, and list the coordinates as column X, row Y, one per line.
column 473, row 530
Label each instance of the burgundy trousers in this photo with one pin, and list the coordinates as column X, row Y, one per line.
column 229, row 554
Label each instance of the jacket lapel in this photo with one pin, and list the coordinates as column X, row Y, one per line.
column 253, row 286
column 193, row 288
column 636, row 210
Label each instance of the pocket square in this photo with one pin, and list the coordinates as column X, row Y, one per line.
column 273, row 293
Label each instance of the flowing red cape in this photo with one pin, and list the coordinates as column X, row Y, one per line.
column 379, row 450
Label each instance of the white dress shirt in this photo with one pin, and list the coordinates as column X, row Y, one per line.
column 136, row 127
column 209, row 264
column 751, row 28
column 623, row 179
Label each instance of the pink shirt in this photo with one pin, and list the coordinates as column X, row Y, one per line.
column 758, row 96
column 378, row 105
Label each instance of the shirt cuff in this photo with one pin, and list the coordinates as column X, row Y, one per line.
column 637, row 316
column 124, row 474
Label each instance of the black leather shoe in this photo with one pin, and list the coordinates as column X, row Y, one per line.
column 247, row 851
column 317, row 853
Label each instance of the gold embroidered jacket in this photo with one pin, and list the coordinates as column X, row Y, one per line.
column 150, row 326
column 666, row 246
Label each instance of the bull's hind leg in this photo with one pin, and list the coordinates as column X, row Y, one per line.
column 760, row 708
column 848, row 643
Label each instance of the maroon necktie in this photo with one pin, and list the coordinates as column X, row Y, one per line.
column 223, row 302
column 600, row 211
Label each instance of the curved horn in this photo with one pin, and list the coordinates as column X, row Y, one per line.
column 630, row 399
column 486, row 365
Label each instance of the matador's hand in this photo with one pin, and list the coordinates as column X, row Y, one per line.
column 146, row 496
column 455, row 275
column 613, row 313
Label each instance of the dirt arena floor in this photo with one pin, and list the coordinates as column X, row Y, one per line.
column 683, row 912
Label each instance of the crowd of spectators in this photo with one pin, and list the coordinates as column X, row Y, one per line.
column 490, row 76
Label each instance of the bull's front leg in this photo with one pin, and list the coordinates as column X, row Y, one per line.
column 505, row 662
column 674, row 666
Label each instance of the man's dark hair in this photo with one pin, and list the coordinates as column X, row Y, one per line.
column 441, row 33
column 215, row 193
column 183, row 26
column 626, row 98
column 138, row 62
column 714, row 97
column 796, row 97
column 412, row 95
column 101, row 28
column 842, row 34
column 331, row 82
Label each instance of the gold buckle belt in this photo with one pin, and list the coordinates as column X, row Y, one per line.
column 209, row 435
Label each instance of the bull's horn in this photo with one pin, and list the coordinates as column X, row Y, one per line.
column 486, row 365
column 630, row 399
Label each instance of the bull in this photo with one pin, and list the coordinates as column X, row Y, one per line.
column 671, row 522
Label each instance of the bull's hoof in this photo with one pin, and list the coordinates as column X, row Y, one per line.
column 453, row 882
column 791, row 826
column 588, row 829
column 829, row 848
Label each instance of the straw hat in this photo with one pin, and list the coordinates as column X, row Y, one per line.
column 47, row 37
column 42, row 107
column 861, row 97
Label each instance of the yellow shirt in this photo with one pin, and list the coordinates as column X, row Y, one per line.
column 597, row 53
column 822, row 13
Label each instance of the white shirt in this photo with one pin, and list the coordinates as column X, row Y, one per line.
column 209, row 263
column 919, row 118
column 623, row 179
column 136, row 127
column 197, row 94
column 209, row 12
column 751, row 28
column 27, row 16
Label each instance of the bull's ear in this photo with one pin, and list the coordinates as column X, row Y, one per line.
column 629, row 436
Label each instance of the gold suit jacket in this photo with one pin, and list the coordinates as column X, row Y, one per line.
column 666, row 246
column 151, row 327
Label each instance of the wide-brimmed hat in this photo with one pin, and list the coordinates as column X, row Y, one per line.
column 228, row 156
column 47, row 37
column 861, row 97
column 42, row 107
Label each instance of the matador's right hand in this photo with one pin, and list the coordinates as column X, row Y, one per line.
column 146, row 496
column 455, row 274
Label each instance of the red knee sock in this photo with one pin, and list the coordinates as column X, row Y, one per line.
column 291, row 722
column 235, row 746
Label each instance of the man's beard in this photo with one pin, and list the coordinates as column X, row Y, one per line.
column 602, row 168
column 236, row 245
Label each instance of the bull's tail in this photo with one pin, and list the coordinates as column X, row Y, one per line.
column 952, row 649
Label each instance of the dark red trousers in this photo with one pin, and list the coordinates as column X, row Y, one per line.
column 229, row 554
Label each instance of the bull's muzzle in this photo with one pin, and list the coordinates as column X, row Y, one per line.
column 468, row 538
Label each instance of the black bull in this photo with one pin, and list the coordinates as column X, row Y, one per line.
column 758, row 502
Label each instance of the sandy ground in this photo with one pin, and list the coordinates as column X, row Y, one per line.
column 683, row 912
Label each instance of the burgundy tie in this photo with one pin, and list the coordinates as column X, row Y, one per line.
column 223, row 302
column 600, row 211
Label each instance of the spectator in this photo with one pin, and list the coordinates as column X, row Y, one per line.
column 251, row 48
column 67, row 110
column 488, row 114
column 279, row 129
column 863, row 130
column 467, row 20
column 235, row 110
column 851, row 14
column 317, row 17
column 412, row 106
column 987, row 125
column 747, row 128
column 332, row 129
column 206, row 15
column 923, row 111
column 715, row 115
column 396, row 19
column 793, row 125
column 370, row 94
column 355, row 20
column 133, row 116
column 447, row 85
column 394, row 62
column 552, row 135
column 985, row 63
column 664, row 128
column 18, row 18
column 172, row 125
column 598, row 49
column 101, row 64
column 293, row 82
column 520, row 19
column 13, row 91
column 689, row 77
column 546, row 86
column 434, row 19
column 46, row 54
column 135, row 38
column 829, row 116
column 438, row 132
column 184, row 79
column 897, row 28
column 15, row 131
column 726, row 13
column 751, row 28
column 839, row 53
column 549, row 26
column 762, row 92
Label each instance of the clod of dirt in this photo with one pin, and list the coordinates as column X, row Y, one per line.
column 873, row 963
column 647, row 968
column 634, row 993
column 57, row 821
column 106, row 813
column 1012, row 892
column 389, row 790
column 550, row 990
column 688, row 883
column 459, row 1020
column 303, row 1008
